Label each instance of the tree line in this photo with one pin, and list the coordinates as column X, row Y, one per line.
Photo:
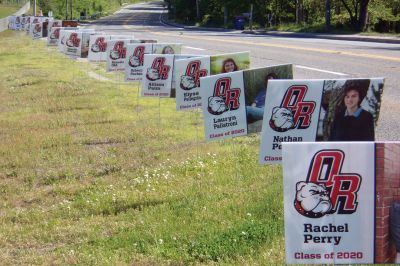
column 355, row 15
column 75, row 9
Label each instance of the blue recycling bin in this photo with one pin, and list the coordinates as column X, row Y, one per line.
column 395, row 223
column 239, row 23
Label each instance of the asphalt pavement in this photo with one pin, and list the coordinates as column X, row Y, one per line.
column 313, row 56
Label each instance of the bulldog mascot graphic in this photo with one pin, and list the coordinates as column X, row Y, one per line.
column 312, row 200
column 217, row 105
column 294, row 112
column 188, row 82
column 134, row 61
column 281, row 119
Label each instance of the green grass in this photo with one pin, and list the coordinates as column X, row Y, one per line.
column 91, row 174
column 8, row 10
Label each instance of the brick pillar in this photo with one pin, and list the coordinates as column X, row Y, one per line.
column 387, row 191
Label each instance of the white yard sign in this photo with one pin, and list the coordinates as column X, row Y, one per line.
column 73, row 43
column 329, row 202
column 157, row 75
column 98, row 48
column 223, row 104
column 116, row 54
column 53, row 36
column 135, row 59
column 291, row 115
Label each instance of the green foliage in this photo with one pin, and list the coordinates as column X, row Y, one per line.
column 385, row 16
column 7, row 10
column 381, row 15
column 88, row 8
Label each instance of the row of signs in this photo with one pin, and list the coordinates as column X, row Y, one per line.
column 329, row 211
column 236, row 100
column 242, row 100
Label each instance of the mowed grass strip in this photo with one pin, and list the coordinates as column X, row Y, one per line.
column 8, row 9
column 90, row 173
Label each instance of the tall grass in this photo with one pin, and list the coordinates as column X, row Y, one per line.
column 8, row 9
column 90, row 173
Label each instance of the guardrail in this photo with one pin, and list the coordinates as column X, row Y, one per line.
column 21, row 11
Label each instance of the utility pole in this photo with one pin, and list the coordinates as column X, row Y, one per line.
column 197, row 9
column 251, row 17
column 328, row 15
column 66, row 9
column 71, row 8
column 225, row 16
column 34, row 7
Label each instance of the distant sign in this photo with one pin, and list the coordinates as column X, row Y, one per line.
column 116, row 54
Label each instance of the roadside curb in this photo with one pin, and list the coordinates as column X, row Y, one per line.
column 343, row 37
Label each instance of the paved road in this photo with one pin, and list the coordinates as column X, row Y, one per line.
column 311, row 57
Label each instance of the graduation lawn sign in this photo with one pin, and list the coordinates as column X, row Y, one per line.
column 53, row 36
column 329, row 202
column 187, row 79
column 134, row 63
column 116, row 54
column 229, row 100
column 98, row 48
column 98, row 45
column 158, row 74
column 188, row 72
column 36, row 30
column 306, row 110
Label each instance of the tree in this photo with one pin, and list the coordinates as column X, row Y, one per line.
column 358, row 12
column 363, row 18
column 328, row 15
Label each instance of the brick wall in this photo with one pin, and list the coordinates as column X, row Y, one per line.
column 388, row 190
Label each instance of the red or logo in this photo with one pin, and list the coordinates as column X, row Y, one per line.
column 162, row 69
column 139, row 53
column 302, row 110
column 73, row 40
column 119, row 51
column 101, row 43
column 328, row 187
column 230, row 95
column 293, row 112
column 193, row 70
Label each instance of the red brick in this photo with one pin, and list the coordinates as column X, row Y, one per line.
column 380, row 152
column 381, row 231
column 380, row 172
